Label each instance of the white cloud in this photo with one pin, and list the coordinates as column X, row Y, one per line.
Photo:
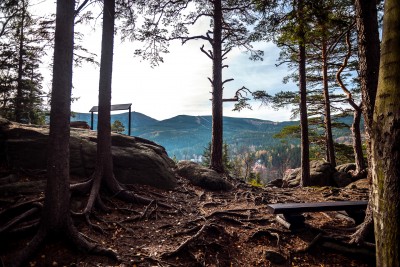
column 180, row 85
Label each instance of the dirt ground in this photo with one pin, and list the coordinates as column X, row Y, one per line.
column 202, row 228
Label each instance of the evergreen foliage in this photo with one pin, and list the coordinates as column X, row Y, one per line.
column 206, row 156
column 117, row 127
column 22, row 48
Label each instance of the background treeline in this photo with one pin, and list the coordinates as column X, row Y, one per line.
column 254, row 147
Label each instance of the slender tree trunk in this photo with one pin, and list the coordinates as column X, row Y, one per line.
column 355, row 127
column 357, row 142
column 56, row 219
column 56, row 206
column 19, row 96
column 368, row 54
column 104, row 174
column 305, row 154
column 217, row 116
column 330, row 149
column 386, row 143
column 106, row 69
column 104, row 163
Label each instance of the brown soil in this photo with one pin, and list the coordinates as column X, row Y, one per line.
column 205, row 229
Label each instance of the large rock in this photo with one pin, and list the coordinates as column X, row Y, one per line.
column 342, row 179
column 291, row 178
column 136, row 160
column 202, row 176
column 275, row 183
column 347, row 167
column 321, row 174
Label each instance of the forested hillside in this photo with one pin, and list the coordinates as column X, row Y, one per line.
column 186, row 137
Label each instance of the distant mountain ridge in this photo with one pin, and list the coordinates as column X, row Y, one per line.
column 186, row 137
column 138, row 119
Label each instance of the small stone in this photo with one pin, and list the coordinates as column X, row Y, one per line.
column 275, row 257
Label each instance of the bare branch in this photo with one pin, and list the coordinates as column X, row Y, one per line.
column 209, row 53
column 226, row 52
column 197, row 18
column 332, row 46
column 284, row 62
column 227, row 80
column 237, row 8
column 4, row 24
column 233, row 99
column 188, row 38
column 344, row 65
column 79, row 9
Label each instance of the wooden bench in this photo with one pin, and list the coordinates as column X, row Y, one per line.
column 292, row 212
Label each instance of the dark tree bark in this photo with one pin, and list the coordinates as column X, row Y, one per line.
column 56, row 218
column 217, row 86
column 357, row 142
column 355, row 127
column 330, row 150
column 386, row 143
column 103, row 176
column 56, row 205
column 305, row 153
column 368, row 54
column 231, row 22
column 19, row 96
column 104, row 164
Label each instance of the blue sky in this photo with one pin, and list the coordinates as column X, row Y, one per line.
column 179, row 85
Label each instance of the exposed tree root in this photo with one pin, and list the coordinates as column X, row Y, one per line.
column 92, row 225
column 130, row 197
column 22, row 256
column 82, row 244
column 111, row 185
column 187, row 232
column 257, row 220
column 268, row 232
column 82, row 187
column 231, row 220
column 103, row 178
column 186, row 242
column 70, row 234
column 19, row 213
column 365, row 229
column 232, row 212
column 349, row 249
column 25, row 227
column 311, row 244
column 21, row 217
column 144, row 214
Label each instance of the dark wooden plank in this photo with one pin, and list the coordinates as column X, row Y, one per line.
column 288, row 208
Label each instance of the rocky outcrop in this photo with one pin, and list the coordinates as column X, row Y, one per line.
column 292, row 178
column 136, row 160
column 321, row 174
column 347, row 167
column 79, row 124
column 341, row 179
column 202, row 176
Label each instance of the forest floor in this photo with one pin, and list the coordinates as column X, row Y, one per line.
column 204, row 228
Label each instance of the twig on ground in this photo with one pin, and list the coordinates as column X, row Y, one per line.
column 186, row 243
